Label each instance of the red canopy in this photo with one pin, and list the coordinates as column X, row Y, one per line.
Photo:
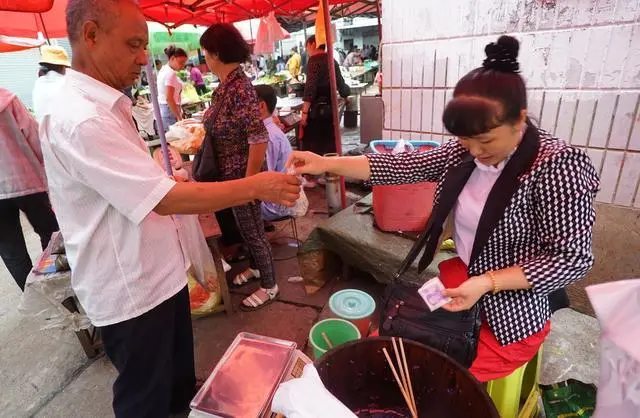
column 171, row 13
column 174, row 13
column 27, row 25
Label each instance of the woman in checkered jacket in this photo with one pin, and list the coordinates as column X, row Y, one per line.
column 520, row 200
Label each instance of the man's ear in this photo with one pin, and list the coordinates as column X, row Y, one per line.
column 90, row 32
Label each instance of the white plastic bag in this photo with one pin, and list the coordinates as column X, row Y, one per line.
column 306, row 397
column 402, row 146
column 301, row 207
column 198, row 259
column 617, row 306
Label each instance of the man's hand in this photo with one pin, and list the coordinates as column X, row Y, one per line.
column 275, row 187
column 305, row 162
column 467, row 294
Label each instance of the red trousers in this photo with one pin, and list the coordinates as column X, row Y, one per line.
column 493, row 360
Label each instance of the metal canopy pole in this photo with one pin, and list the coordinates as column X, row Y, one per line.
column 334, row 91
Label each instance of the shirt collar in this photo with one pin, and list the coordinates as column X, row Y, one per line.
column 269, row 121
column 94, row 88
column 493, row 169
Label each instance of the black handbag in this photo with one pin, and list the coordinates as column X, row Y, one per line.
column 205, row 162
column 405, row 314
column 321, row 110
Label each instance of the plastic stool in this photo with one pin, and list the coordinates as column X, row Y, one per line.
column 508, row 392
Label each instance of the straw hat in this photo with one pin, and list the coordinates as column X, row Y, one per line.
column 55, row 55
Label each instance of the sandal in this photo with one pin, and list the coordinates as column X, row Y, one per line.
column 246, row 277
column 259, row 299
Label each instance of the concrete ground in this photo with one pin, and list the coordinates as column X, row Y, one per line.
column 44, row 373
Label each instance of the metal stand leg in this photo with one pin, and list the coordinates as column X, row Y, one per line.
column 294, row 228
column 222, row 277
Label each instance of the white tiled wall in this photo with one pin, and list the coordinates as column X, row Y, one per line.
column 580, row 58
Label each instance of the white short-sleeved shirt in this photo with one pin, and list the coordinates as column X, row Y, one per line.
column 125, row 258
column 45, row 89
column 167, row 77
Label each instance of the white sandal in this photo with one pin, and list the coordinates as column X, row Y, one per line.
column 259, row 299
column 246, row 277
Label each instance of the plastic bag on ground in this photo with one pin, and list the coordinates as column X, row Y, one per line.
column 617, row 306
column 307, row 397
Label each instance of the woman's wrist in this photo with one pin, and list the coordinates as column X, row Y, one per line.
column 488, row 283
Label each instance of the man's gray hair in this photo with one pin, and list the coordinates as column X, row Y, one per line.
column 80, row 11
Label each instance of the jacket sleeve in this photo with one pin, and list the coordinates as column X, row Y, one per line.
column 414, row 167
column 565, row 215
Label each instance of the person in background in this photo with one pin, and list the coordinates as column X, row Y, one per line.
column 170, row 86
column 353, row 58
column 113, row 202
column 366, row 52
column 23, row 186
column 158, row 65
column 278, row 150
column 317, row 118
column 294, row 65
column 53, row 64
column 234, row 147
column 520, row 201
column 196, row 76
column 280, row 64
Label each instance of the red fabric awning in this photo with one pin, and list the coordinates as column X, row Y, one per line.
column 27, row 25
column 171, row 13
column 206, row 12
column 27, row 6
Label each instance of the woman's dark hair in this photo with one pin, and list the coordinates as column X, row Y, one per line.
column 45, row 68
column 312, row 40
column 489, row 96
column 173, row 51
column 268, row 95
column 226, row 42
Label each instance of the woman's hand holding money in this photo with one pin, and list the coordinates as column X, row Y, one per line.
column 468, row 293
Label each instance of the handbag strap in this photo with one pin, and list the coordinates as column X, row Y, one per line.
column 415, row 251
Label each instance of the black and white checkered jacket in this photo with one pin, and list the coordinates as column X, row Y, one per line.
column 539, row 216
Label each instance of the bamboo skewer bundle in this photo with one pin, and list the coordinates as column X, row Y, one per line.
column 404, row 379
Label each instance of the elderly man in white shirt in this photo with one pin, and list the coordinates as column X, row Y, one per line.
column 112, row 200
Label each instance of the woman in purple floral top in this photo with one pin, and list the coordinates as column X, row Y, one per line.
column 235, row 146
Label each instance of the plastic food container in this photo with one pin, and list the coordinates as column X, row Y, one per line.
column 404, row 207
column 355, row 306
column 338, row 331
column 246, row 378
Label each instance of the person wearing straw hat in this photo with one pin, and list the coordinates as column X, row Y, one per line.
column 53, row 64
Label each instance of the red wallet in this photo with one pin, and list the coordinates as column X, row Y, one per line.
column 453, row 272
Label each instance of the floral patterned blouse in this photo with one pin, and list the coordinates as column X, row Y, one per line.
column 237, row 125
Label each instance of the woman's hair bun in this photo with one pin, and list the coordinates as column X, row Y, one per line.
column 503, row 55
column 170, row 50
